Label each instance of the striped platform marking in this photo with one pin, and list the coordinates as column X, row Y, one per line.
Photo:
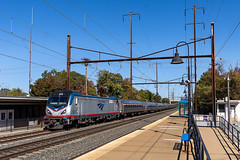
column 177, row 140
column 114, row 144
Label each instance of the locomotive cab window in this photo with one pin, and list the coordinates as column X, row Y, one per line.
column 58, row 99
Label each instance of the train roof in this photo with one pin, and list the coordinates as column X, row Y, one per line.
column 76, row 93
column 125, row 101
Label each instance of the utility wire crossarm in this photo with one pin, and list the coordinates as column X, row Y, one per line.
column 173, row 47
column 136, row 59
column 90, row 50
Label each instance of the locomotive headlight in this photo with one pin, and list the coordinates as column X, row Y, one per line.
column 64, row 112
column 48, row 112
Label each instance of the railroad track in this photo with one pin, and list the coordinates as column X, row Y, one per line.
column 22, row 149
column 18, row 137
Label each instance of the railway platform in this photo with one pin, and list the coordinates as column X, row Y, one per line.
column 155, row 141
column 218, row 144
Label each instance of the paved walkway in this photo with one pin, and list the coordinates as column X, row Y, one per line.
column 218, row 145
column 153, row 142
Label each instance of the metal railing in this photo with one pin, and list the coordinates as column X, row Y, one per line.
column 231, row 131
column 200, row 150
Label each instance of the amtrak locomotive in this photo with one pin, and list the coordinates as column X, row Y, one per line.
column 70, row 108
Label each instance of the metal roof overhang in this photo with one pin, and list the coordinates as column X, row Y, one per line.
column 6, row 100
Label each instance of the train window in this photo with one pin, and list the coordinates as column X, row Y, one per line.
column 84, row 99
column 58, row 100
column 111, row 101
column 10, row 115
column 2, row 116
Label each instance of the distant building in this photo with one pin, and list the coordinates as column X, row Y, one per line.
column 222, row 110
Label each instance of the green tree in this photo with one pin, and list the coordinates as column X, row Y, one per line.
column 165, row 100
column 146, row 95
column 204, row 87
column 109, row 83
column 16, row 92
column 126, row 90
column 4, row 91
column 54, row 80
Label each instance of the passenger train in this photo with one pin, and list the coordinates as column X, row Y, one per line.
column 67, row 108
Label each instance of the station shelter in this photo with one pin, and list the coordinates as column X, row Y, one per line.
column 222, row 110
column 182, row 104
column 18, row 111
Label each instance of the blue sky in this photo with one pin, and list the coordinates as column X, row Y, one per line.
column 161, row 25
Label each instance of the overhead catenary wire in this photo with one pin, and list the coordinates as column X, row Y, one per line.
column 5, row 55
column 219, row 9
column 34, row 28
column 78, row 25
column 15, row 35
column 28, row 48
column 230, row 35
column 117, row 40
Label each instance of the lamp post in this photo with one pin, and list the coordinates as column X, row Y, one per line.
column 178, row 60
column 183, row 83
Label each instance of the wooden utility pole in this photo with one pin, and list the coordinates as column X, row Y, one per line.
column 195, row 48
column 68, row 61
column 30, row 57
column 213, row 74
column 86, row 64
column 131, row 48
column 86, row 78
column 157, row 83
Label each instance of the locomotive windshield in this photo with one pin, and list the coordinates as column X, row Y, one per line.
column 59, row 98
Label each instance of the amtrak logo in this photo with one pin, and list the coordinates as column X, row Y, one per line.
column 100, row 105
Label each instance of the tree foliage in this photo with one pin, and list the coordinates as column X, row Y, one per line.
column 204, row 87
column 4, row 91
column 108, row 84
column 54, row 80
column 13, row 92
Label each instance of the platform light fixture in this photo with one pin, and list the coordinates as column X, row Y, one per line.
column 177, row 60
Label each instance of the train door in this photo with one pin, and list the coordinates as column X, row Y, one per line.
column 6, row 119
column 79, row 105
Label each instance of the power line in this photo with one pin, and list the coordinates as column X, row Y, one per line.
column 28, row 48
column 78, row 25
column 42, row 32
column 100, row 26
column 219, row 9
column 25, row 60
column 228, row 39
column 15, row 35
